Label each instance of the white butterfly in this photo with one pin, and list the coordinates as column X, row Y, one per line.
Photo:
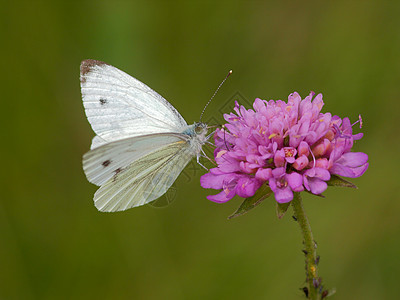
column 142, row 143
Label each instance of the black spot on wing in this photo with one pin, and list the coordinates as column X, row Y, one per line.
column 103, row 101
column 117, row 171
column 106, row 163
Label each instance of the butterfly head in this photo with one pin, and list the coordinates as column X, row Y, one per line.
column 200, row 134
column 200, row 128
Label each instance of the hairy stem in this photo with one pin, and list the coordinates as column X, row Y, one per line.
column 314, row 288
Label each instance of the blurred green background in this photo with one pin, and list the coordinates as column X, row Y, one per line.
column 54, row 244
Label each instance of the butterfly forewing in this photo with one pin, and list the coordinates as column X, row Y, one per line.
column 119, row 106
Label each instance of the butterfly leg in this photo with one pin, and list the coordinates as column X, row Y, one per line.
column 208, row 136
column 211, row 144
column 198, row 161
column 205, row 156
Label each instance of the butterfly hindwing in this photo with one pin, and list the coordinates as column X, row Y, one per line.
column 144, row 180
column 102, row 163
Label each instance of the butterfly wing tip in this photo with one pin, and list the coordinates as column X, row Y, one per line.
column 88, row 64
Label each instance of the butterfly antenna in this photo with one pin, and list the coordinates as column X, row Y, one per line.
column 229, row 73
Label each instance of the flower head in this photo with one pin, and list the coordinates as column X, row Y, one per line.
column 289, row 146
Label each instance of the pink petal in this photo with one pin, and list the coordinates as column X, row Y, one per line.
column 247, row 187
column 210, row 181
column 283, row 195
column 295, row 181
column 290, row 160
column 318, row 173
column 303, row 149
column 222, row 197
column 344, row 171
column 227, row 164
column 277, row 172
column 258, row 105
column 360, row 170
column 264, row 174
column 279, row 159
column 322, row 163
column 216, row 171
column 341, row 170
column 322, row 174
column 316, row 186
column 300, row 163
column 246, row 167
column 353, row 159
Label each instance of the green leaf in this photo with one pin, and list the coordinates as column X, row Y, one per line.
column 338, row 181
column 281, row 209
column 249, row 203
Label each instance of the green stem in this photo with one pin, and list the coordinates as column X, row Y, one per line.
column 312, row 279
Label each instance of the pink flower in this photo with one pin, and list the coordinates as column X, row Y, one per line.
column 289, row 146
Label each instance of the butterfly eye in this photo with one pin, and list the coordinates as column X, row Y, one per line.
column 200, row 128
